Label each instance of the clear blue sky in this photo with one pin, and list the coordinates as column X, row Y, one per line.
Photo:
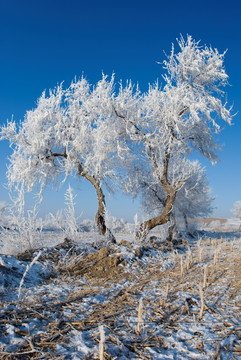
column 45, row 42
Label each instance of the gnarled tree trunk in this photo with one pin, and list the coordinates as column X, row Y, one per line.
column 171, row 191
column 150, row 224
column 100, row 215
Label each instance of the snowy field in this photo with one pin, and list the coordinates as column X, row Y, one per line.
column 89, row 299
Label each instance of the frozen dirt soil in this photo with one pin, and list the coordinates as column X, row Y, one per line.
column 152, row 301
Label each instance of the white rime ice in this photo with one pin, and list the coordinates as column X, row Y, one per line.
column 119, row 137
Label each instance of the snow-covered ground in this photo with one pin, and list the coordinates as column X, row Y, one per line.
column 190, row 297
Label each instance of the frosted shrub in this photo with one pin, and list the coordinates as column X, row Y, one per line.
column 32, row 228
column 55, row 222
column 88, row 225
column 114, row 224
column 23, row 232
column 71, row 227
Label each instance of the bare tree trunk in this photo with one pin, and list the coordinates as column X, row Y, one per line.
column 100, row 215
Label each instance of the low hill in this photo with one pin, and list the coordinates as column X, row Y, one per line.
column 218, row 224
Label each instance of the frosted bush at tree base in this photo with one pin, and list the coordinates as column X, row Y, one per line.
column 115, row 224
column 71, row 226
column 24, row 231
column 192, row 200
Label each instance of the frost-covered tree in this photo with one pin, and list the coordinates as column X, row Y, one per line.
column 70, row 131
column 98, row 134
column 181, row 117
column 192, row 200
column 237, row 211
